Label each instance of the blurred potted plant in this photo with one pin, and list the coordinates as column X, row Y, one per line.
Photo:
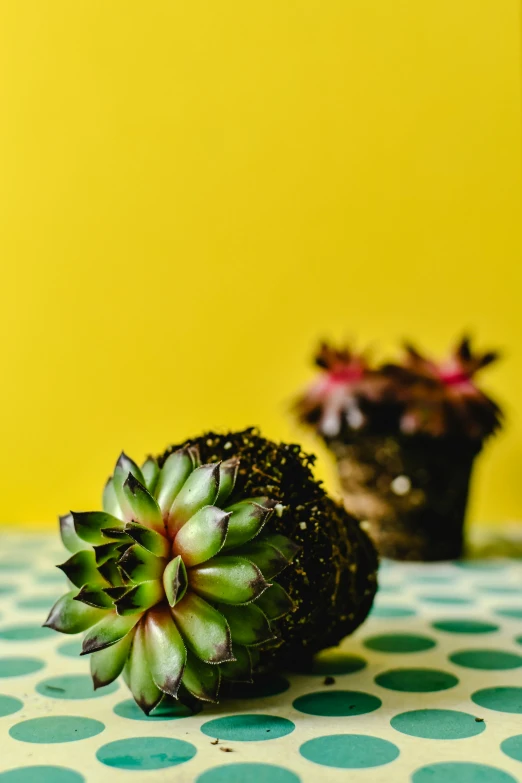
column 405, row 436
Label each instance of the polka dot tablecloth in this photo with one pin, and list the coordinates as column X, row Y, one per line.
column 429, row 690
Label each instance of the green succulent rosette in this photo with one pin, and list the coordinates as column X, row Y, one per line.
column 174, row 583
column 220, row 560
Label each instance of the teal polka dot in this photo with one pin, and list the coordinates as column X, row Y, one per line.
column 335, row 662
column 349, row 751
column 500, row 699
column 9, row 705
column 437, row 724
column 42, row 774
column 248, row 728
column 500, row 589
column 37, row 602
column 56, row 728
column 253, row 773
column 464, row 626
column 141, row 753
column 337, row 703
column 383, row 611
column 263, row 686
column 73, row 686
column 513, row 612
column 518, row 639
column 52, row 577
column 17, row 667
column 486, row 659
column 456, row 600
column 165, row 711
column 7, row 589
column 461, row 771
column 13, row 565
column 432, row 579
column 70, row 649
column 25, row 633
column 416, row 680
column 399, row 643
column 481, row 565
column 512, row 747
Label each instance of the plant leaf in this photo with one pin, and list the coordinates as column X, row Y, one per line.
column 149, row 539
column 267, row 558
column 70, row 616
column 138, row 676
column 89, row 524
column 150, row 470
column 175, row 471
column 239, row 670
column 107, row 664
column 140, row 565
column 70, row 538
column 93, row 597
column 227, row 479
column 166, row 653
column 81, row 569
column 228, row 579
column 144, row 508
column 248, row 625
column 139, row 598
column 275, row 602
column 107, row 631
column 200, row 489
column 202, row 536
column 285, row 545
column 175, row 580
column 110, row 502
column 200, row 679
column 124, row 466
column 247, row 520
column 204, row 629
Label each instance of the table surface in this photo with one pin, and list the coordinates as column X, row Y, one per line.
column 428, row 690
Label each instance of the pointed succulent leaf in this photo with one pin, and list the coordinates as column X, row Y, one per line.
column 204, row 629
column 124, row 466
column 200, row 680
column 111, row 573
column 248, row 625
column 239, row 670
column 116, row 592
column 202, row 536
column 228, row 579
column 194, row 456
column 227, row 479
column 247, row 520
column 89, row 524
column 138, row 676
column 175, row 471
column 140, row 565
column 267, row 558
column 149, row 539
column 166, row 653
column 92, row 597
column 275, row 602
column 109, row 630
column 150, row 470
column 175, row 581
column 110, row 500
column 139, row 598
column 115, row 534
column 107, row 664
column 81, row 569
column 70, row 538
column 144, row 508
column 105, row 552
column 285, row 545
column 200, row 489
column 70, row 616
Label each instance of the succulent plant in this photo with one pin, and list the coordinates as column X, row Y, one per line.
column 196, row 571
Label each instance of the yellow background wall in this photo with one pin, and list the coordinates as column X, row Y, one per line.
column 192, row 192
